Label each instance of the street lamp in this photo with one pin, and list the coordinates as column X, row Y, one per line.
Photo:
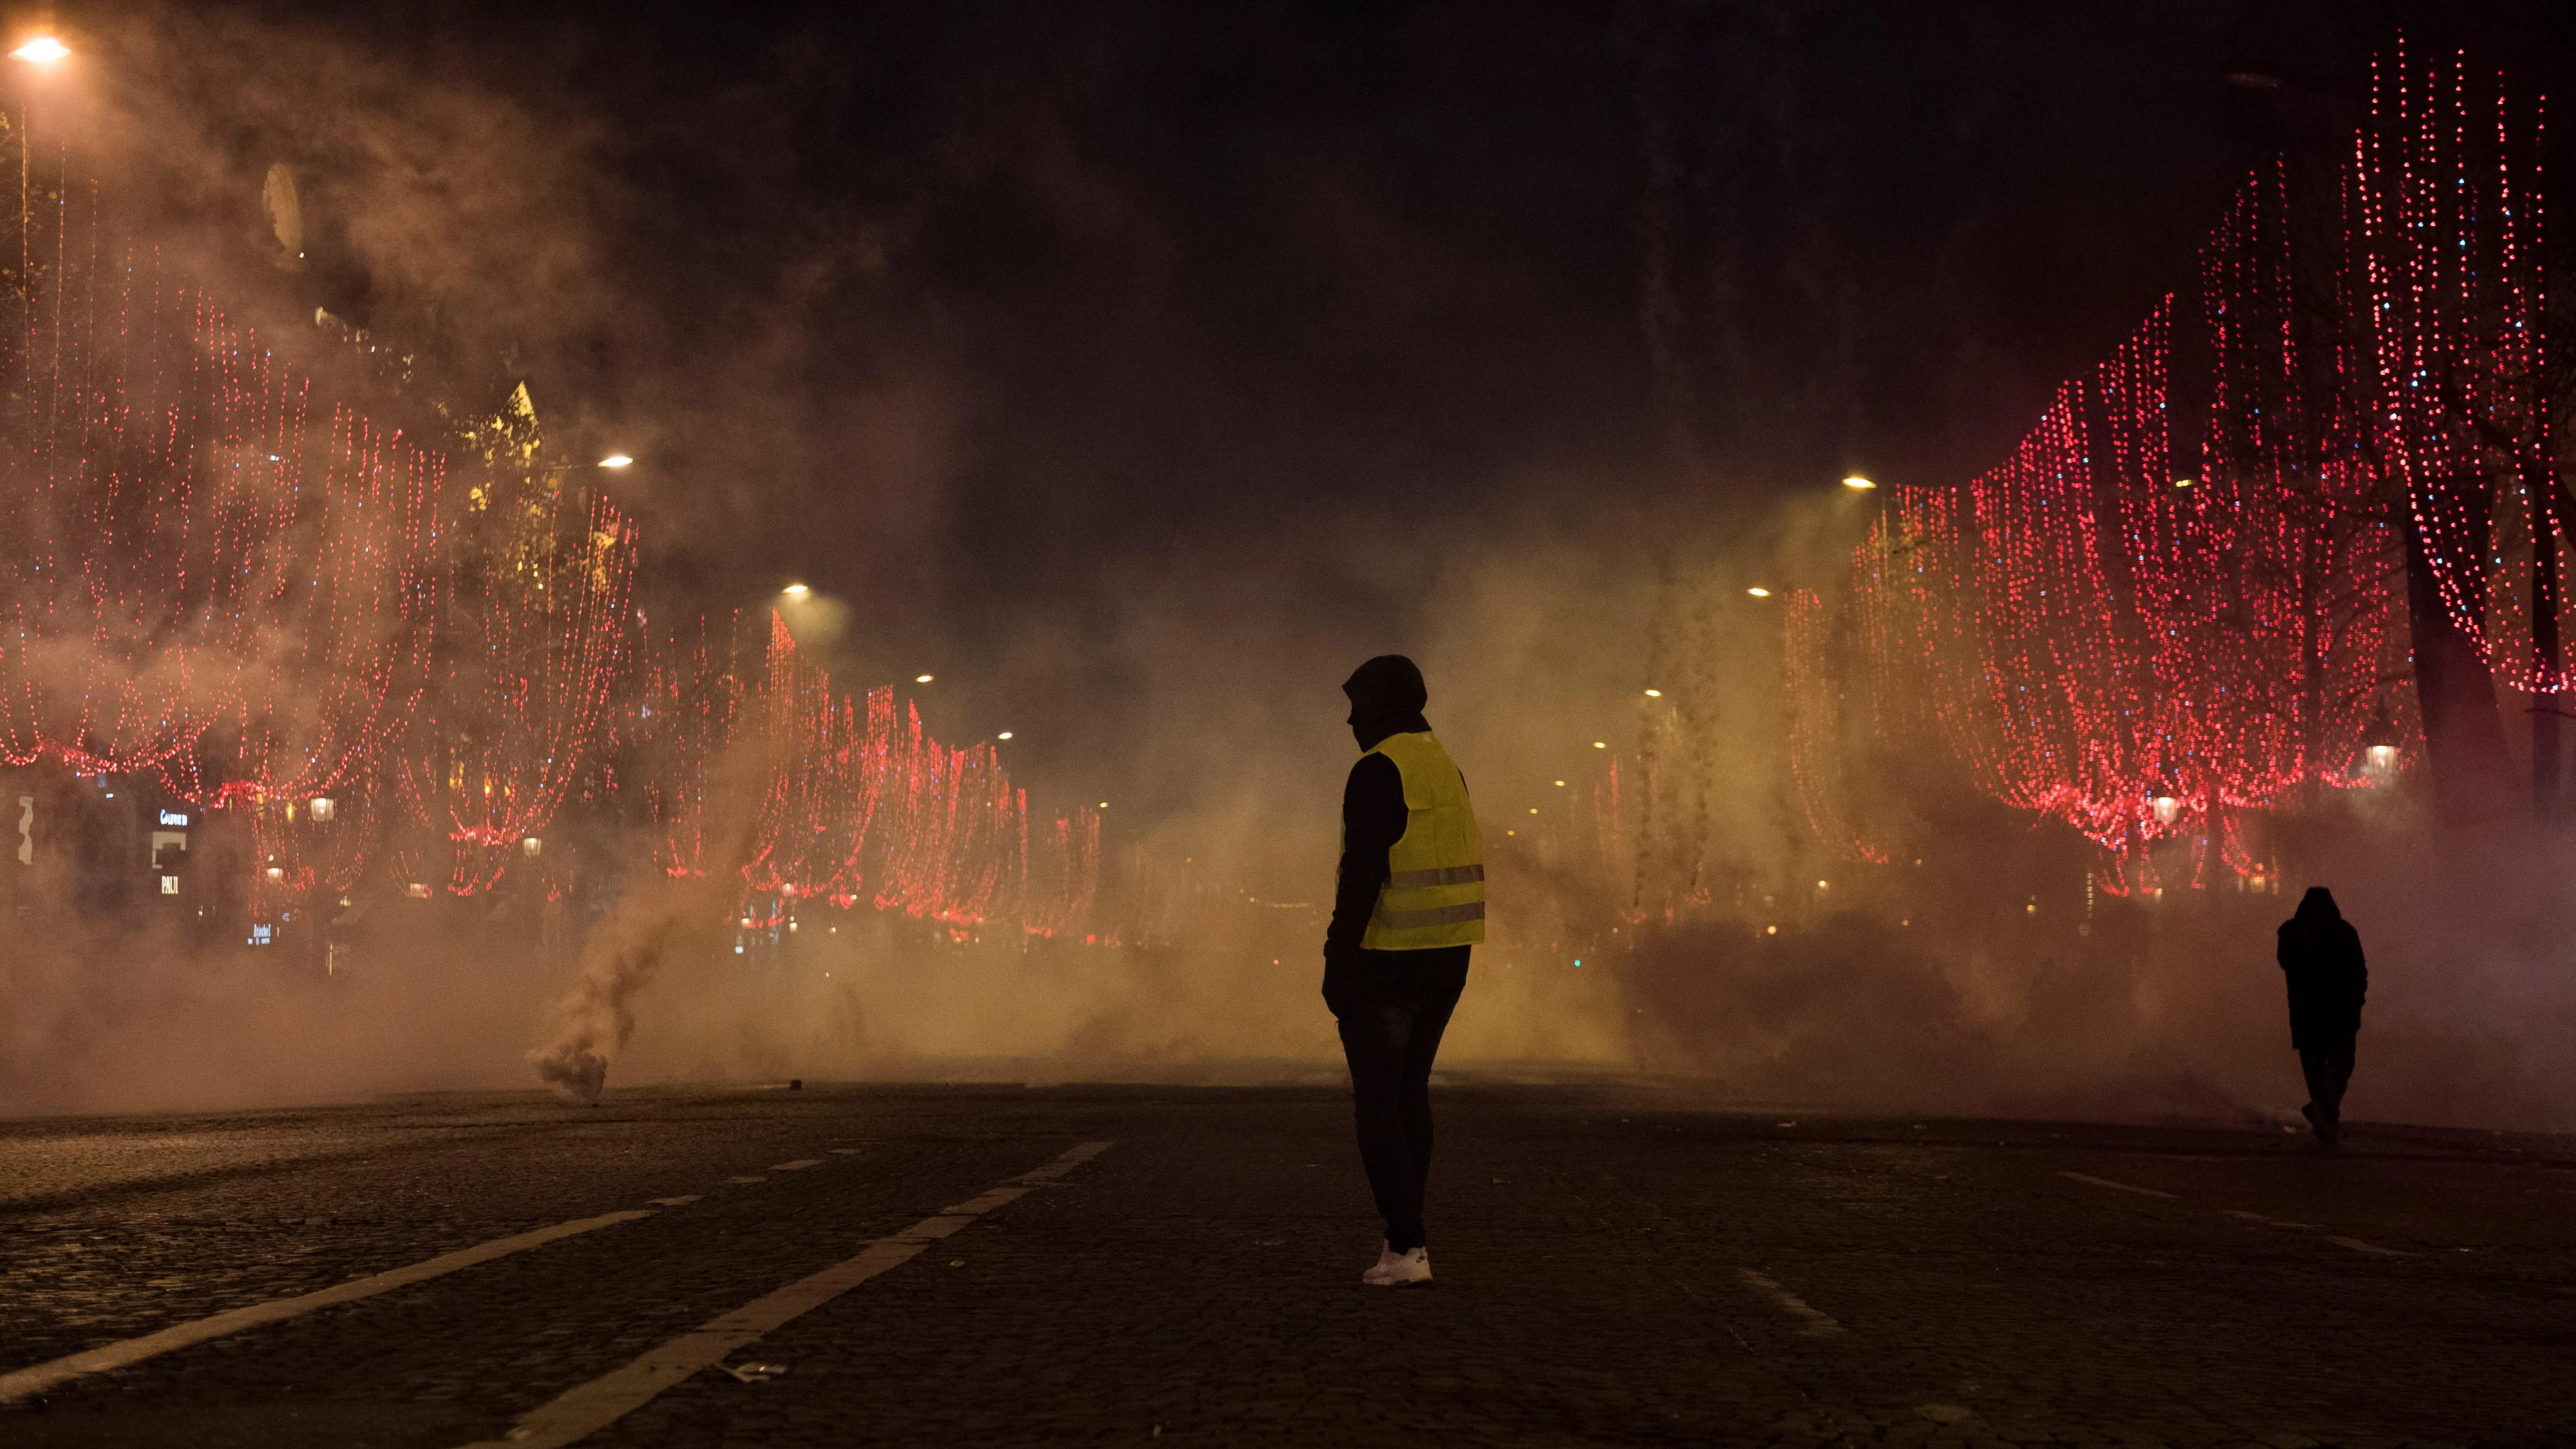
column 2168, row 809
column 795, row 591
column 43, row 50
column 531, row 845
column 1004, row 735
column 921, row 679
column 613, row 461
column 1759, row 592
column 323, row 808
column 1856, row 481
column 2379, row 743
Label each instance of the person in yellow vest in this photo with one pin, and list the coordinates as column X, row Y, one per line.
column 1409, row 903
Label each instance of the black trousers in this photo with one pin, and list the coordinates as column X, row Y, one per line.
column 2329, row 1071
column 1393, row 1006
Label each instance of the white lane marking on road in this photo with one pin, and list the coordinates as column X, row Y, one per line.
column 1819, row 1325
column 799, row 1165
column 587, row 1408
column 40, row 1377
column 2358, row 1246
column 2268, row 1222
column 2114, row 1186
column 681, row 1201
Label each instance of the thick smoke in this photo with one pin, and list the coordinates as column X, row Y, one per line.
column 1152, row 546
column 662, row 918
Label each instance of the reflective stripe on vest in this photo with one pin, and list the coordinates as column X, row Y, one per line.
column 1435, row 886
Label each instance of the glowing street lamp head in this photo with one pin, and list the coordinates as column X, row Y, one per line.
column 921, row 679
column 1654, row 694
column 1004, row 735
column 615, row 460
column 795, row 591
column 1759, row 592
column 43, row 50
column 1857, row 481
column 1600, row 744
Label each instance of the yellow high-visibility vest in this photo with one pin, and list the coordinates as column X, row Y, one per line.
column 1435, row 887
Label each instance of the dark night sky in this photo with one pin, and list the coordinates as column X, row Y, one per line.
column 1006, row 322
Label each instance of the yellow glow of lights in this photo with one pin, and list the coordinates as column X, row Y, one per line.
column 1560, row 784
column 1600, row 744
column 1759, row 592
column 615, row 460
column 43, row 50
column 1857, row 481
column 796, row 591
column 1004, row 735
column 1104, row 804
column 921, row 679
column 1654, row 694
column 2185, row 482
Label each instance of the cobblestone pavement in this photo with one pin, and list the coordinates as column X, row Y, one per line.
column 1616, row 1265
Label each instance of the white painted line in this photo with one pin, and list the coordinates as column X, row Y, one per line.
column 35, row 1380
column 588, row 1408
column 2114, row 1186
column 2358, row 1246
column 799, row 1165
column 2268, row 1222
column 681, row 1201
column 1818, row 1324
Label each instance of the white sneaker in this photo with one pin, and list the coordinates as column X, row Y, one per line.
column 1395, row 1270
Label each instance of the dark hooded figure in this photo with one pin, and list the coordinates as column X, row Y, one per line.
column 2321, row 959
column 1408, row 905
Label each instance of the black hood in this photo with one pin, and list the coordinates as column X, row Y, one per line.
column 1387, row 696
column 2318, row 905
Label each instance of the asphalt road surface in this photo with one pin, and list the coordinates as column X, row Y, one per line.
column 971, row 1265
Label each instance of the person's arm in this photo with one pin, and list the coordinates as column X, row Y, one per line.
column 1373, row 820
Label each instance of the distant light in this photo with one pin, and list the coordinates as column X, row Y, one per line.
column 796, row 591
column 1533, row 810
column 1770, row 930
column 1759, row 592
column 1857, row 481
column 1654, row 694
column 1823, row 885
column 277, row 872
column 324, row 807
column 1004, row 735
column 1104, row 804
column 921, row 679
column 2383, row 758
column 2185, row 482
column 2168, row 809
column 1600, row 744
column 532, row 846
column 1560, row 784
column 43, row 50
column 615, row 460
